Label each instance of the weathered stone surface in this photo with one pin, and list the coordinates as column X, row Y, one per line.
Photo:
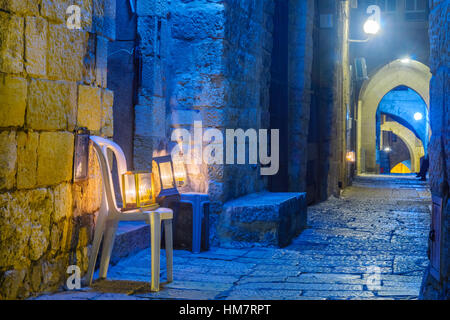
column 53, row 273
column 55, row 158
column 24, row 226
column 55, row 10
column 38, row 111
column 13, row 94
column 11, row 43
column 150, row 120
column 65, row 54
column 101, row 61
column 345, row 254
column 36, row 45
column 36, row 277
column 20, row 6
column 103, row 21
column 87, row 194
column 155, row 8
column 62, row 202
column 440, row 141
column 199, row 22
column 89, row 107
column 8, row 158
column 50, row 104
column 12, row 281
column 269, row 218
column 107, row 113
column 27, row 145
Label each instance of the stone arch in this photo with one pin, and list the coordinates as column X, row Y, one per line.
column 414, row 144
column 413, row 74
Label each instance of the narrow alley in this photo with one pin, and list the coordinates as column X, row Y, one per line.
column 224, row 150
column 370, row 244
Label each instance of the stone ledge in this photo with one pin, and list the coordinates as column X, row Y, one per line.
column 268, row 219
column 131, row 237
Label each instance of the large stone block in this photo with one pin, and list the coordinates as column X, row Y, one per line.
column 8, row 158
column 150, row 120
column 13, row 95
column 11, row 43
column 65, row 53
column 206, row 21
column 36, row 46
column 272, row 219
column 55, row 158
column 55, row 10
column 50, row 103
column 27, row 144
column 89, row 107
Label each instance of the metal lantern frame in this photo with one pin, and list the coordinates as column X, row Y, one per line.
column 171, row 191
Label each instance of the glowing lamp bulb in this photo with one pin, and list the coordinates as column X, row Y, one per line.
column 418, row 116
column 371, row 27
column 405, row 60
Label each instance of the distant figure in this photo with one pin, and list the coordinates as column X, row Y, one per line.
column 424, row 169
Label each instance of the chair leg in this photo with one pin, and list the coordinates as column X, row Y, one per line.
column 155, row 228
column 169, row 249
column 108, row 243
column 99, row 230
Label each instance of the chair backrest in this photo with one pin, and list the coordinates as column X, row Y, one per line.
column 101, row 147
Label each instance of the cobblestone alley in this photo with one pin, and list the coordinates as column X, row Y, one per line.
column 370, row 244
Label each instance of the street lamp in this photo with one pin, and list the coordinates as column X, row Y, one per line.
column 372, row 25
column 418, row 116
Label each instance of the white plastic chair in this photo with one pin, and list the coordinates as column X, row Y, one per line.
column 110, row 215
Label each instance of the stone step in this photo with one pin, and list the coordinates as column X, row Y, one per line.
column 265, row 218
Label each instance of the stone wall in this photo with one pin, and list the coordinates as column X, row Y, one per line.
column 331, row 87
column 52, row 80
column 300, row 58
column 439, row 149
column 203, row 61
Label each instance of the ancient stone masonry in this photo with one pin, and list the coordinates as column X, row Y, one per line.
column 52, row 80
column 210, row 61
column 440, row 140
column 300, row 57
column 207, row 61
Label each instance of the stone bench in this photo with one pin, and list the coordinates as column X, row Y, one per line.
column 269, row 219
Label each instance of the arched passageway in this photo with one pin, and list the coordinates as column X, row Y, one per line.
column 414, row 144
column 411, row 74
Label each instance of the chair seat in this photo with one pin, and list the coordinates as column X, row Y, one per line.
column 138, row 215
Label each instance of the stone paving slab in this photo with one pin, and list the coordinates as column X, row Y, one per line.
column 370, row 244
